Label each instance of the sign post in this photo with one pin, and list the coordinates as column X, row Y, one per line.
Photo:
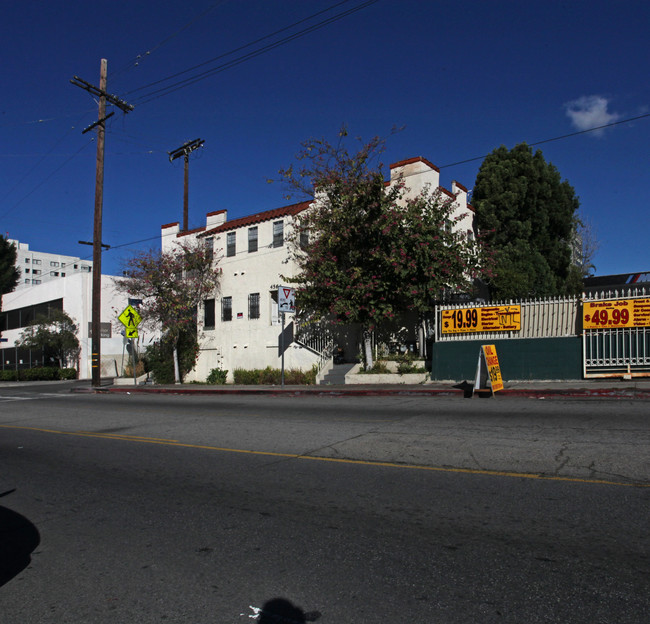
column 286, row 305
column 130, row 318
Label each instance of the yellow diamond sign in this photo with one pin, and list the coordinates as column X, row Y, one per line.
column 130, row 319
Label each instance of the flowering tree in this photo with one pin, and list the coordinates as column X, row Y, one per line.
column 372, row 253
column 171, row 285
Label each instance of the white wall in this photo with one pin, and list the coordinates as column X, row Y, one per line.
column 76, row 292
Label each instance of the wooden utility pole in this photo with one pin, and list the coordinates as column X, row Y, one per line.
column 99, row 203
column 185, row 150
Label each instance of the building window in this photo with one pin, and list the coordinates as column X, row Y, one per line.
column 36, row 281
column 252, row 239
column 209, row 248
column 26, row 260
column 54, row 273
column 304, row 239
column 208, row 314
column 278, row 233
column 254, row 306
column 76, row 266
column 26, row 270
column 36, row 271
column 231, row 244
column 27, row 281
column 54, row 264
column 62, row 274
column 36, row 261
column 226, row 309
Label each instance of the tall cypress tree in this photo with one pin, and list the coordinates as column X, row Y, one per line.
column 528, row 216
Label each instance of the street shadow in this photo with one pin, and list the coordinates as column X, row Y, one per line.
column 18, row 539
column 467, row 388
column 282, row 611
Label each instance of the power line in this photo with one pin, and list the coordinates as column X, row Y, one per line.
column 461, row 162
column 233, row 51
column 35, row 188
column 158, row 93
column 136, row 61
column 557, row 138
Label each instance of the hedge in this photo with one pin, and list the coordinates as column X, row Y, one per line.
column 46, row 373
column 273, row 377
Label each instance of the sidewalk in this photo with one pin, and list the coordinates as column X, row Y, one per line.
column 585, row 389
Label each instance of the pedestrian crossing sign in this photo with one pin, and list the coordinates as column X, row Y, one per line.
column 130, row 318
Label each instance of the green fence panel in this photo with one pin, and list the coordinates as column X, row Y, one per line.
column 521, row 359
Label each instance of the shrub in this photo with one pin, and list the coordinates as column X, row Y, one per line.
column 217, row 376
column 45, row 373
column 273, row 376
column 39, row 373
column 67, row 373
column 159, row 358
column 139, row 369
column 379, row 368
column 404, row 368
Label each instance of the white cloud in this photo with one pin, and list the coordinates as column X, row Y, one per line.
column 590, row 111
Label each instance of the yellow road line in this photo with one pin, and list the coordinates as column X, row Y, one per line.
column 362, row 462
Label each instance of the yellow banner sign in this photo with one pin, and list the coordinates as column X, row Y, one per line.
column 616, row 313
column 488, row 319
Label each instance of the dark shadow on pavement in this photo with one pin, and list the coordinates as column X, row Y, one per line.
column 282, row 611
column 18, row 539
column 467, row 388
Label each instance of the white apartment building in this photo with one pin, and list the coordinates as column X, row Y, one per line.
column 240, row 326
column 39, row 267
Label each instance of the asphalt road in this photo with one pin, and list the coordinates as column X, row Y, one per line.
column 202, row 509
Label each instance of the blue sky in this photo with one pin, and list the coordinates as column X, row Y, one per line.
column 461, row 77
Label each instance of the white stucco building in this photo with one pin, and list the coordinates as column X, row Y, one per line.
column 73, row 294
column 240, row 326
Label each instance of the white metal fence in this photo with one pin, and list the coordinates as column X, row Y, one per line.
column 612, row 352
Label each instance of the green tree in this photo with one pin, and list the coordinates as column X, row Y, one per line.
column 171, row 285
column 528, row 216
column 9, row 274
column 370, row 254
column 55, row 334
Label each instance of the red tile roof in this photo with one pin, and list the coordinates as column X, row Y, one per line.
column 268, row 215
column 410, row 161
column 194, row 231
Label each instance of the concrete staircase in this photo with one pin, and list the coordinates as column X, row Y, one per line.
column 336, row 376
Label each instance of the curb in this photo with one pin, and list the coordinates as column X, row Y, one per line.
column 341, row 391
column 307, row 391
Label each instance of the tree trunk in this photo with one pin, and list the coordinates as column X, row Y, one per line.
column 422, row 337
column 177, row 374
column 367, row 345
